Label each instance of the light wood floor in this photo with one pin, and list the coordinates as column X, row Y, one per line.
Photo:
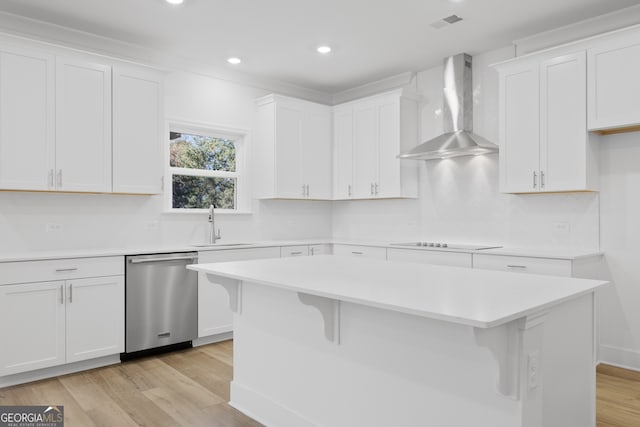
column 183, row 388
column 191, row 388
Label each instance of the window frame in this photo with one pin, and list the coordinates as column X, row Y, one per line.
column 239, row 137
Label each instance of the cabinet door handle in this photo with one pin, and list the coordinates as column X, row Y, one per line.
column 541, row 179
column 50, row 178
column 70, row 292
column 516, row 266
column 312, row 251
column 60, row 178
column 535, row 179
column 61, row 294
column 376, row 187
column 304, row 190
column 307, row 190
column 349, row 190
column 372, row 188
column 357, row 253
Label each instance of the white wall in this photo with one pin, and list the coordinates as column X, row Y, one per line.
column 619, row 319
column 459, row 198
column 104, row 221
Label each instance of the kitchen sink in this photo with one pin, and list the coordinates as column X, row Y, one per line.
column 213, row 245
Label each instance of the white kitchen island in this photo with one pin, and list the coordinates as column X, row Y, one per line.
column 335, row 341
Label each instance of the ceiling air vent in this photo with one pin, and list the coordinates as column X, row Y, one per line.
column 444, row 22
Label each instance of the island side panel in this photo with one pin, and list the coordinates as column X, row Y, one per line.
column 389, row 368
column 568, row 375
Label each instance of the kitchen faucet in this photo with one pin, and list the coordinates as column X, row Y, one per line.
column 212, row 226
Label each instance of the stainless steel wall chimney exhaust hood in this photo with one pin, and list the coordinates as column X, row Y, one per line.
column 457, row 112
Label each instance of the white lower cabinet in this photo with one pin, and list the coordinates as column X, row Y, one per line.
column 457, row 259
column 360, row 251
column 95, row 317
column 32, row 326
column 546, row 266
column 214, row 315
column 291, row 251
column 321, row 249
column 50, row 323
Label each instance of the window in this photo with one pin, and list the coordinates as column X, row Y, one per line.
column 204, row 169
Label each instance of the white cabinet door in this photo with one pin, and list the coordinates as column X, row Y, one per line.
column 613, row 83
column 360, row 251
column 83, row 126
column 388, row 183
column 520, row 129
column 456, row 259
column 288, row 161
column 320, row 249
column 137, row 131
column 546, row 266
column 365, row 148
column 563, row 122
column 95, row 317
column 27, row 131
column 32, row 326
column 316, row 153
column 214, row 315
column 343, row 153
column 293, row 251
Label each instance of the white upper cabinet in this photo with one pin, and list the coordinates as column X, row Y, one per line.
column 343, row 153
column 613, row 83
column 137, row 131
column 83, row 126
column 57, row 112
column 544, row 143
column 368, row 136
column 292, row 150
column 27, row 114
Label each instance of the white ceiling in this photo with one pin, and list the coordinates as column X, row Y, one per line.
column 371, row 39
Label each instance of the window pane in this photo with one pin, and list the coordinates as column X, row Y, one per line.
column 201, row 152
column 196, row 192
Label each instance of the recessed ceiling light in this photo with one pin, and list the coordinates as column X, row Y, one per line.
column 324, row 49
column 234, row 61
column 174, row 1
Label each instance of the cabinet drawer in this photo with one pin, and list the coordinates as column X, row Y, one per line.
column 60, row 269
column 205, row 257
column 289, row 251
column 457, row 259
column 363, row 251
column 547, row 266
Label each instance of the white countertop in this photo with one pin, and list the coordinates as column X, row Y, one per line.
column 10, row 256
column 479, row 298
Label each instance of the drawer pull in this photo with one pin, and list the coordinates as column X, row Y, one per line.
column 164, row 335
column 62, row 270
column 296, row 253
column 517, row 266
column 357, row 253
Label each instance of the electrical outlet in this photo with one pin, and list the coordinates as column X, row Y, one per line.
column 53, row 227
column 533, row 369
column 561, row 228
column 151, row 225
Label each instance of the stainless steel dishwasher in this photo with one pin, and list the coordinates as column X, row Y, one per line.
column 161, row 302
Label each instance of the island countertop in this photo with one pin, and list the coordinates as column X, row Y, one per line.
column 473, row 297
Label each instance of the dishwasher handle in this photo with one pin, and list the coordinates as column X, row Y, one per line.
column 162, row 259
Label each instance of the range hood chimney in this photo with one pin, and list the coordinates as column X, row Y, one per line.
column 458, row 139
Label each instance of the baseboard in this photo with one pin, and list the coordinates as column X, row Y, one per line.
column 263, row 409
column 212, row 339
column 620, row 357
column 55, row 371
